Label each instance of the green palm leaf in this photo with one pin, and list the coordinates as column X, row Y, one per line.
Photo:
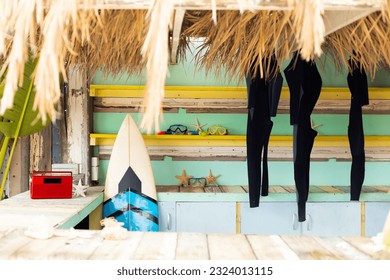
column 21, row 119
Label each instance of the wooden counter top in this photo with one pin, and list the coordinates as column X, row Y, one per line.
column 175, row 246
column 19, row 210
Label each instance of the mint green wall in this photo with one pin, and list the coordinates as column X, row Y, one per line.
column 183, row 74
column 336, row 124
column 234, row 173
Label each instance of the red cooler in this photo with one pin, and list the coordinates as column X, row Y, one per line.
column 51, row 184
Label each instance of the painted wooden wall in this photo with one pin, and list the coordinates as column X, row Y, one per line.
column 234, row 172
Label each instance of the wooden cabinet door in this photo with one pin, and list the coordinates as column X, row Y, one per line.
column 269, row 218
column 333, row 219
column 206, row 217
column 167, row 216
column 376, row 213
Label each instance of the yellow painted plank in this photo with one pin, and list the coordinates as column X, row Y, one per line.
column 236, row 140
column 220, row 92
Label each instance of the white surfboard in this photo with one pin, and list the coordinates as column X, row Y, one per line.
column 130, row 191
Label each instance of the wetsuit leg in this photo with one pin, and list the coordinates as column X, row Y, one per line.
column 265, row 180
column 274, row 90
column 356, row 142
column 357, row 83
column 304, row 140
column 259, row 126
column 305, row 85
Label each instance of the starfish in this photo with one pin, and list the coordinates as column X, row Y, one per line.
column 211, row 180
column 198, row 126
column 79, row 189
column 183, row 179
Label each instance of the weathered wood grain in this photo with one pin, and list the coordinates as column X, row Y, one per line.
column 192, row 246
column 368, row 247
column 20, row 210
column 338, row 246
column 232, row 189
column 235, row 153
column 225, row 247
column 228, row 105
column 113, row 250
column 271, row 247
column 308, row 248
column 157, row 246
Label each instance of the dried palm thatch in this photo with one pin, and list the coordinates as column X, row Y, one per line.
column 240, row 41
column 115, row 43
column 72, row 32
column 60, row 24
column 365, row 42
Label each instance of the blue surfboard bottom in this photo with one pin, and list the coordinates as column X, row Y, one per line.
column 137, row 211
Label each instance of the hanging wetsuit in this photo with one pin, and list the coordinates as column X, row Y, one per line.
column 263, row 98
column 305, row 84
column 358, row 86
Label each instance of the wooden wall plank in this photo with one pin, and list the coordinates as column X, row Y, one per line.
column 275, row 153
column 40, row 150
column 20, row 167
column 232, row 106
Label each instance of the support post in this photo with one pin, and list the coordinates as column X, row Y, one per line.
column 77, row 121
column 20, row 167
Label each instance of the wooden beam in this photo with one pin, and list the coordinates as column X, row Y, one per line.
column 77, row 120
column 237, row 5
column 176, row 30
column 217, row 105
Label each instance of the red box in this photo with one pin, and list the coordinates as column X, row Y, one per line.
column 51, row 184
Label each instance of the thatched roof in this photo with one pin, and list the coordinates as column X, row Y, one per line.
column 118, row 36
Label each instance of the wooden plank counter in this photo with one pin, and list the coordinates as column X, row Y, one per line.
column 178, row 246
column 19, row 210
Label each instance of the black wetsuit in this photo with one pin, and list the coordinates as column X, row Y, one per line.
column 305, row 84
column 358, row 86
column 263, row 99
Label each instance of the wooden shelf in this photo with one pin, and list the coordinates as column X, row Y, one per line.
column 110, row 98
column 195, row 99
column 276, row 193
column 233, row 147
column 236, row 140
